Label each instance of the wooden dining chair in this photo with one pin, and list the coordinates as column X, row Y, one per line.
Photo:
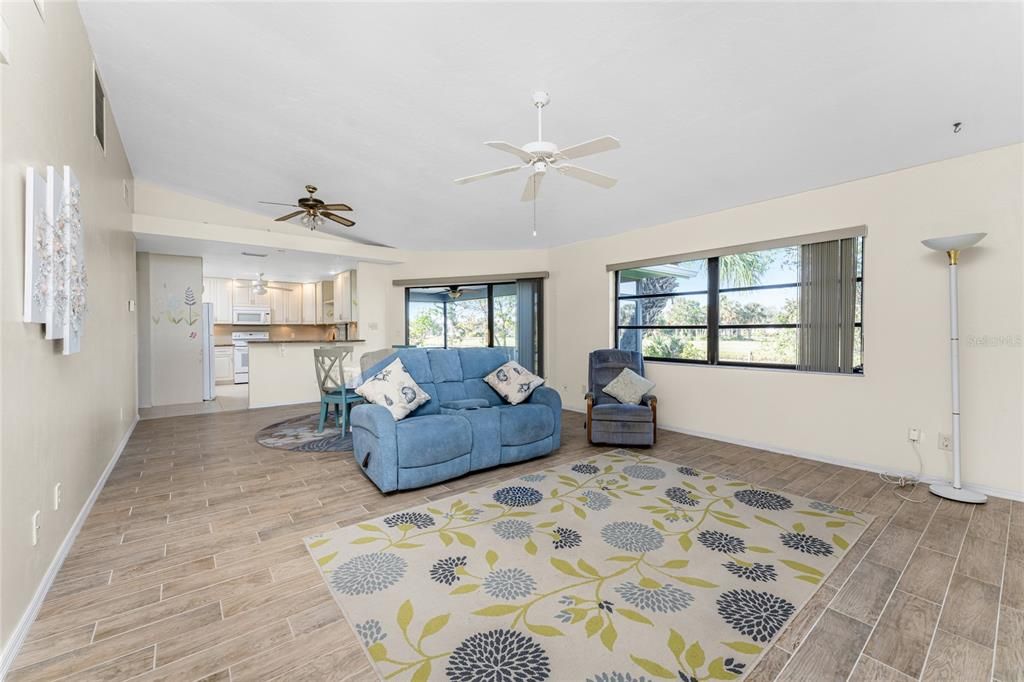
column 330, row 377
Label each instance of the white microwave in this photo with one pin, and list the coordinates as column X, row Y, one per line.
column 250, row 314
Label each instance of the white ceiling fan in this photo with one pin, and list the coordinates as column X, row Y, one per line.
column 260, row 286
column 539, row 156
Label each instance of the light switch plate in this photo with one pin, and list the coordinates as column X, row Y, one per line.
column 131, row 305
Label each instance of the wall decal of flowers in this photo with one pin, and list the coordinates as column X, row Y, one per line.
column 179, row 310
column 190, row 301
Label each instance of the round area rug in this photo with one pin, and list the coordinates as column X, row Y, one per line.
column 299, row 434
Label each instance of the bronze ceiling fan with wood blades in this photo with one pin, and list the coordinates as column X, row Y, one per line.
column 314, row 211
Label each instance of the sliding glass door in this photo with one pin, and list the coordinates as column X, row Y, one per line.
column 505, row 315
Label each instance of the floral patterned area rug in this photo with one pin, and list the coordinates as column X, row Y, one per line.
column 620, row 567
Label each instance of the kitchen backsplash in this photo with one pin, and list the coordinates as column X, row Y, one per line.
column 282, row 332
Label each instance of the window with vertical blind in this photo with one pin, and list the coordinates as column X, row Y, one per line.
column 791, row 306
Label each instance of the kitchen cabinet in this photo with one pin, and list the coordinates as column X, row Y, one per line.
column 308, row 303
column 285, row 302
column 293, row 315
column 289, row 303
column 219, row 292
column 345, row 306
column 223, row 365
column 278, row 304
column 325, row 302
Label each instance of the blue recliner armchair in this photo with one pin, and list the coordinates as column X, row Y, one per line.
column 464, row 426
column 608, row 420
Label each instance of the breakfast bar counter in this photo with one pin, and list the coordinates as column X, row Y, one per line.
column 283, row 372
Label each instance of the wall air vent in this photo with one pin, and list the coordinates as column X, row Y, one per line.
column 254, row 255
column 99, row 109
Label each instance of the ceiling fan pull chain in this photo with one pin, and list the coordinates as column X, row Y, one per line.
column 534, row 178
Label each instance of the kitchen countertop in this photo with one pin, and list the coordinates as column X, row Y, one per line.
column 305, row 341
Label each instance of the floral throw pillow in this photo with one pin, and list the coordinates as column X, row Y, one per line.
column 513, row 382
column 394, row 389
column 629, row 387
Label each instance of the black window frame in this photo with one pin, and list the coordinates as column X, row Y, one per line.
column 714, row 326
column 444, row 312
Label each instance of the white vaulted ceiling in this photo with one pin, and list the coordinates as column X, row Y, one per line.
column 383, row 104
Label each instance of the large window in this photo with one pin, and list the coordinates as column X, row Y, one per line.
column 505, row 315
column 794, row 307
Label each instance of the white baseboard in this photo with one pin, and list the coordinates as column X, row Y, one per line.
column 13, row 645
column 852, row 464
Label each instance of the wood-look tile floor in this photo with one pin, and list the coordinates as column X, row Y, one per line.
column 191, row 565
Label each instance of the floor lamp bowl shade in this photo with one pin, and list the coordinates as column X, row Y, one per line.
column 952, row 247
column 954, row 243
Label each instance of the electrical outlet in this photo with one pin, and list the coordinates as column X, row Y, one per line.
column 946, row 442
column 58, row 496
column 35, row 528
column 914, row 435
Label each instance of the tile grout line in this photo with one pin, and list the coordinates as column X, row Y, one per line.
column 1002, row 584
column 840, row 589
column 945, row 596
column 884, row 665
column 896, row 587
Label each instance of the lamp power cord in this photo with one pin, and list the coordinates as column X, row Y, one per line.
column 901, row 481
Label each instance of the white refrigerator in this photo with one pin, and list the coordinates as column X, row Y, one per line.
column 209, row 384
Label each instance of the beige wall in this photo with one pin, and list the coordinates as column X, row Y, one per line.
column 170, row 332
column 63, row 416
column 906, row 383
column 373, row 286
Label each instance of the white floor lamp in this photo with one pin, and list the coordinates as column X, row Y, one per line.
column 953, row 246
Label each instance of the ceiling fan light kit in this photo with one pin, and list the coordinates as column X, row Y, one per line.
column 540, row 156
column 312, row 220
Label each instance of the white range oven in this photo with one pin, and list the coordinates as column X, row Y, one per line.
column 250, row 314
column 240, row 340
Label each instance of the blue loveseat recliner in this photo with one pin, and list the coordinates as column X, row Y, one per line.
column 464, row 426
